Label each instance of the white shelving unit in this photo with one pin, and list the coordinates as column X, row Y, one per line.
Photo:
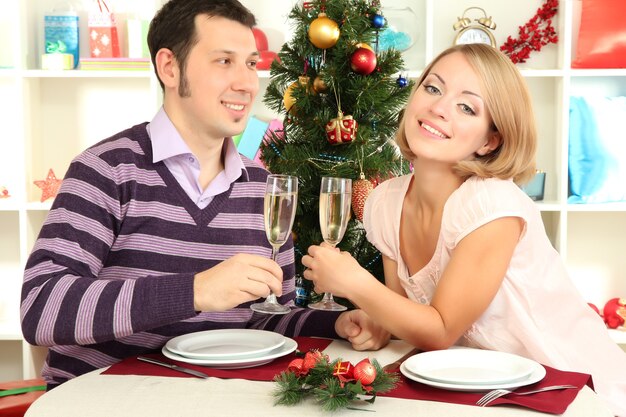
column 49, row 117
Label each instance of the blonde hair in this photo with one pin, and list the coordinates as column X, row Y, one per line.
column 508, row 103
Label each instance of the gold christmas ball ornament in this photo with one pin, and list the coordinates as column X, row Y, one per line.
column 319, row 86
column 303, row 80
column 363, row 45
column 324, row 32
column 288, row 100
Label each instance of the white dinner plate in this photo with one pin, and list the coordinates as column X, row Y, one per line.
column 225, row 343
column 470, row 366
column 538, row 373
column 235, row 363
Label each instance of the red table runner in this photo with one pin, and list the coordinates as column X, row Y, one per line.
column 554, row 402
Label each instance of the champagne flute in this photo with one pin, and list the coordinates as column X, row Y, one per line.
column 335, row 201
column 279, row 211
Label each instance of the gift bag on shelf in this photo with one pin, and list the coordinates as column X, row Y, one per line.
column 61, row 32
column 103, row 32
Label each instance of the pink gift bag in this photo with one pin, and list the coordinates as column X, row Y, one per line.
column 103, row 37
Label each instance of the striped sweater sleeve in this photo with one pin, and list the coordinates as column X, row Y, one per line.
column 65, row 300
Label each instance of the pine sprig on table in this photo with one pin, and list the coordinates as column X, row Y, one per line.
column 334, row 385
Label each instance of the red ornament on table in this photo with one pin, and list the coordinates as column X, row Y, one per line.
column 361, row 189
column 50, row 186
column 296, row 366
column 311, row 358
column 4, row 193
column 365, row 372
column 341, row 129
column 363, row 61
column 344, row 371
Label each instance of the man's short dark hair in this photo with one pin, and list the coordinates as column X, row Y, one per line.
column 173, row 27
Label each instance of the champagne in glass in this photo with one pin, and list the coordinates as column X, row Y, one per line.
column 335, row 201
column 279, row 211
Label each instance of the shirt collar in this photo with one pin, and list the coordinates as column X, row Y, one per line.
column 167, row 143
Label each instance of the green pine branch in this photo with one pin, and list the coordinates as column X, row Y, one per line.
column 331, row 393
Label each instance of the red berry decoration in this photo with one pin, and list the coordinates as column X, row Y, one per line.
column 365, row 372
column 363, row 61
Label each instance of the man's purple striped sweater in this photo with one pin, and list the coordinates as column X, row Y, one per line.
column 111, row 274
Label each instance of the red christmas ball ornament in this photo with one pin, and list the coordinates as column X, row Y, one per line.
column 361, row 189
column 365, row 372
column 363, row 61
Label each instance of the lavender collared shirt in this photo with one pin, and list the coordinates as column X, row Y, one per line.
column 168, row 146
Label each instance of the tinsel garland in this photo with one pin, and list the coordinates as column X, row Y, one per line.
column 534, row 35
column 333, row 384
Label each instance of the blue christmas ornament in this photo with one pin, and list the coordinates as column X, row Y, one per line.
column 402, row 82
column 378, row 21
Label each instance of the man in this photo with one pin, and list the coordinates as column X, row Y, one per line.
column 158, row 230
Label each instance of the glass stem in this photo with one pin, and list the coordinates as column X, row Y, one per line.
column 328, row 298
column 271, row 299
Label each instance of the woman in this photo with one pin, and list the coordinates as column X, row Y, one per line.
column 466, row 257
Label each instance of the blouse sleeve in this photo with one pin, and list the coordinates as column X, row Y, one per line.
column 479, row 201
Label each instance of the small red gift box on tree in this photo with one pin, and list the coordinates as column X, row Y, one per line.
column 341, row 129
column 103, row 37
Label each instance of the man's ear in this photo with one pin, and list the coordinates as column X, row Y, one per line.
column 167, row 68
column 494, row 139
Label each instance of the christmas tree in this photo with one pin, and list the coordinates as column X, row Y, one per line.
column 341, row 97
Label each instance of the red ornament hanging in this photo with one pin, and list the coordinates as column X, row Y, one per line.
column 365, row 372
column 341, row 129
column 361, row 189
column 363, row 61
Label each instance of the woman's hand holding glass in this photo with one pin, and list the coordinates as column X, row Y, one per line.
column 335, row 202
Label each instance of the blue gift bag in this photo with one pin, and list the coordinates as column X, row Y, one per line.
column 61, row 34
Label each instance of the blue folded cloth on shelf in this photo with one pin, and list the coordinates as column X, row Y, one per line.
column 597, row 150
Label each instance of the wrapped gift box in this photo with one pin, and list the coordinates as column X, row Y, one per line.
column 21, row 394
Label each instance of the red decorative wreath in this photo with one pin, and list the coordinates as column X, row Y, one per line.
column 534, row 35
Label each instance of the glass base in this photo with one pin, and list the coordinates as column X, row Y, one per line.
column 327, row 306
column 270, row 308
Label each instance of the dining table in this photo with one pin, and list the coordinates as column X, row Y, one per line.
column 135, row 389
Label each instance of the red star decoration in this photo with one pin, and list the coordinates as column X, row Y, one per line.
column 50, row 186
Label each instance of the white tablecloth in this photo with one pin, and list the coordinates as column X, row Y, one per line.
column 95, row 395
